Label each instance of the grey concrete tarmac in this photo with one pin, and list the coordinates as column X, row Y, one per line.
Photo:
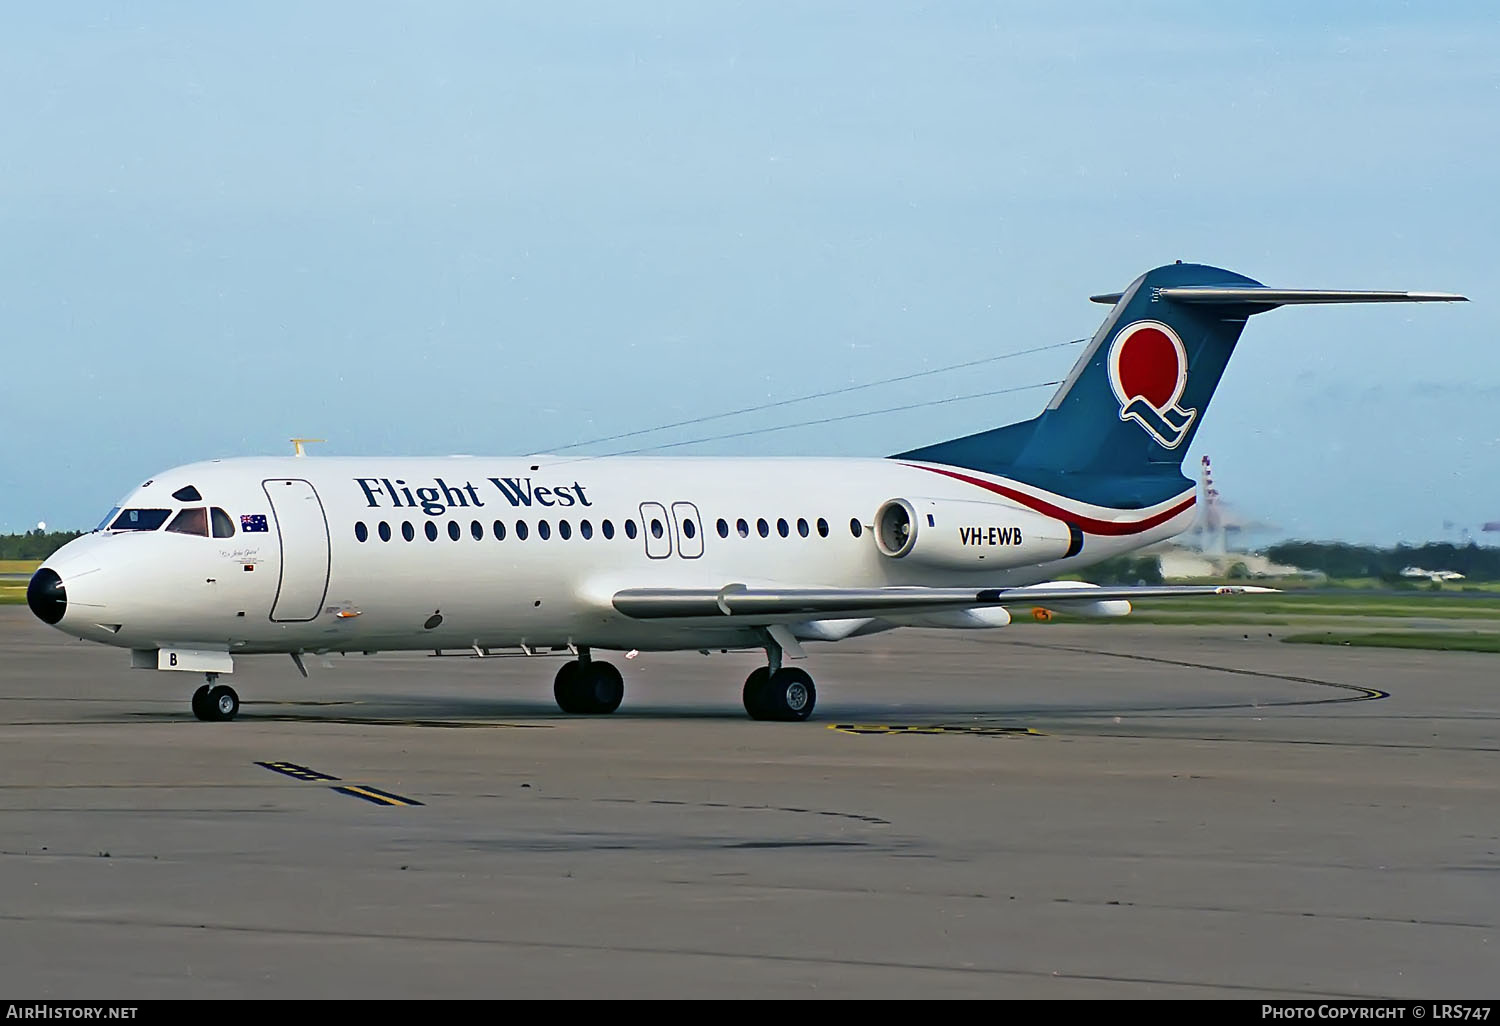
column 1108, row 811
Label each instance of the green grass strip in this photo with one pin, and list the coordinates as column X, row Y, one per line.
column 1446, row 641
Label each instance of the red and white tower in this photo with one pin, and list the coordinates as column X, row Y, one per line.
column 1211, row 520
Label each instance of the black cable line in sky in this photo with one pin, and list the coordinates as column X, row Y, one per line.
column 814, row 395
column 830, row 420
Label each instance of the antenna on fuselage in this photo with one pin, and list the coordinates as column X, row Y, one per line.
column 300, row 442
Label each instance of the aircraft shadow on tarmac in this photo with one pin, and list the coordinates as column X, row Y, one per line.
column 462, row 712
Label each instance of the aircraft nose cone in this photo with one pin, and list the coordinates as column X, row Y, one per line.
column 46, row 596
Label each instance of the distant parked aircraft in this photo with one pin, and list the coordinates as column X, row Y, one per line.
column 1432, row 575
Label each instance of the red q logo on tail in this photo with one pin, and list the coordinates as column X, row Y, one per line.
column 1148, row 371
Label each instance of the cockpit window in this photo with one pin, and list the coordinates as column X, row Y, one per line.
column 107, row 518
column 140, row 520
column 187, row 493
column 223, row 526
column 193, row 520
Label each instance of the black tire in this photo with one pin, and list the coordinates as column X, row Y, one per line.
column 200, row 703
column 592, row 690
column 223, row 703
column 755, row 693
column 790, row 695
column 565, row 688
column 603, row 688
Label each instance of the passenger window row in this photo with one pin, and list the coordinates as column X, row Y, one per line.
column 783, row 527
column 585, row 530
column 499, row 531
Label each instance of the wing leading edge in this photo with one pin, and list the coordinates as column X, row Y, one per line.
column 742, row 604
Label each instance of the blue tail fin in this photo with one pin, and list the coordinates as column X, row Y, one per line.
column 1116, row 431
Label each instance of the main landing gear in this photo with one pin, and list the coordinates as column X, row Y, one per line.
column 775, row 692
column 772, row 692
column 588, row 687
column 214, row 701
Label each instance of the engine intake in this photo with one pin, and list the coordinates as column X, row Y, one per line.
column 896, row 528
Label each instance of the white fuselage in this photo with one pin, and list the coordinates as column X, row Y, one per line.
column 320, row 578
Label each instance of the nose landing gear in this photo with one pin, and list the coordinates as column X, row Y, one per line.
column 214, row 702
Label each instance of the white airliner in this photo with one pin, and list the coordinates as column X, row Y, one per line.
column 234, row 557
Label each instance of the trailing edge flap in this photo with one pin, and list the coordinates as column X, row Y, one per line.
column 783, row 605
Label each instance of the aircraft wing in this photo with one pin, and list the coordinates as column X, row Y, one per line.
column 761, row 605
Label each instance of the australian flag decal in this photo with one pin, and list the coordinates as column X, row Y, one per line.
column 251, row 523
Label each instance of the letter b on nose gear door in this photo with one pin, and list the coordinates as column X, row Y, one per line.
column 303, row 530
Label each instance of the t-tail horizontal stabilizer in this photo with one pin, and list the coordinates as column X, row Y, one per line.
column 1115, row 432
column 1295, row 297
column 1270, row 298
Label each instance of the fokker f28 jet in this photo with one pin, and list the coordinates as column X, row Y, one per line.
column 235, row 557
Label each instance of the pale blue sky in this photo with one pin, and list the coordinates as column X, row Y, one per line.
column 496, row 228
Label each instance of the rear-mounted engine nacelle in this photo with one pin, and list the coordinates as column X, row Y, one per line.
column 956, row 535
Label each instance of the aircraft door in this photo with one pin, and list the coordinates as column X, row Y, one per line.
column 689, row 530
column 655, row 530
column 303, row 529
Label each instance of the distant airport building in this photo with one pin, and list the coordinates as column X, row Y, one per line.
column 1182, row 562
column 1208, row 550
